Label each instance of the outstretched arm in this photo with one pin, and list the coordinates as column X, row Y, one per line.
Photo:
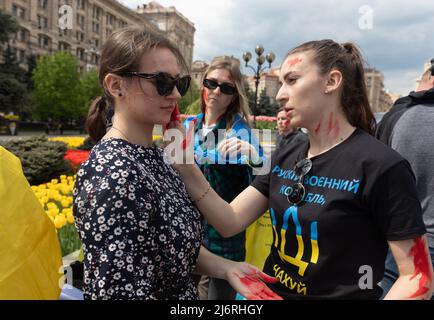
column 243, row 277
column 228, row 219
column 415, row 279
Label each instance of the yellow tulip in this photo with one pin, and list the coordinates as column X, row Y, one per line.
column 59, row 221
column 70, row 217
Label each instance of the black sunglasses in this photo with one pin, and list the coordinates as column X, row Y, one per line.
column 225, row 87
column 164, row 82
column 298, row 190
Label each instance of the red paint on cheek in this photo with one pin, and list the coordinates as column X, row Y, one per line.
column 421, row 266
column 294, row 61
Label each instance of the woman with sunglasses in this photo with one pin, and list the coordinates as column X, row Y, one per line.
column 224, row 114
column 337, row 200
column 141, row 233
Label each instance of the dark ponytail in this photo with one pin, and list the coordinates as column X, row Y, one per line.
column 96, row 119
column 355, row 93
column 346, row 58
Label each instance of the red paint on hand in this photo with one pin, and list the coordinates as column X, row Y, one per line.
column 421, row 266
column 258, row 289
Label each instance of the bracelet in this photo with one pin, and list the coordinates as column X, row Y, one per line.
column 203, row 195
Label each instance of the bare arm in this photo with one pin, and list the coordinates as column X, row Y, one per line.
column 415, row 279
column 228, row 219
column 243, row 277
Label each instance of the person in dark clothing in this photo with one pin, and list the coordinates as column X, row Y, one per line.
column 285, row 131
column 140, row 230
column 338, row 199
column 408, row 128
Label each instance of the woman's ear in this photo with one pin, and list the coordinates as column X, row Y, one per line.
column 113, row 85
column 333, row 81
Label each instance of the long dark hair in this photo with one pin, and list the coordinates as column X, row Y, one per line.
column 240, row 103
column 346, row 57
column 123, row 52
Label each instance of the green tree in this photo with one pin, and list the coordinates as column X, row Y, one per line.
column 250, row 97
column 11, row 94
column 193, row 108
column 57, row 92
column 8, row 26
column 265, row 106
column 191, row 97
column 89, row 90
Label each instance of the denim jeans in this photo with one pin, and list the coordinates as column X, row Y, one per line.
column 391, row 272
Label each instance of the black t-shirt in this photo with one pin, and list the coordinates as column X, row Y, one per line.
column 333, row 245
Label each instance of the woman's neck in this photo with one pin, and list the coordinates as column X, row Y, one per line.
column 331, row 130
column 131, row 131
column 212, row 117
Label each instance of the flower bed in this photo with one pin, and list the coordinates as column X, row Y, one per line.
column 56, row 199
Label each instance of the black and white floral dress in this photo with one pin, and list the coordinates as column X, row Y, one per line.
column 141, row 233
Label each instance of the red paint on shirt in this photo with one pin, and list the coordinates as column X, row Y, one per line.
column 421, row 266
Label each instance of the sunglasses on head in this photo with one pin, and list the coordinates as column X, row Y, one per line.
column 164, row 82
column 225, row 87
column 298, row 190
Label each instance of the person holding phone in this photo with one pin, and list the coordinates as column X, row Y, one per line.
column 140, row 230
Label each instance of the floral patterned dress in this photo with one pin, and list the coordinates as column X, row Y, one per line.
column 141, row 233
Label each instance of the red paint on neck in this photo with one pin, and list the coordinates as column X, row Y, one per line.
column 421, row 266
column 333, row 129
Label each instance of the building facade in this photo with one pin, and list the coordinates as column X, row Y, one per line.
column 42, row 27
column 379, row 99
column 173, row 25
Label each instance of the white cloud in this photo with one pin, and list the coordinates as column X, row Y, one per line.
column 398, row 44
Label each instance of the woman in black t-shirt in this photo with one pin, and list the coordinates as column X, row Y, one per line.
column 141, row 233
column 338, row 199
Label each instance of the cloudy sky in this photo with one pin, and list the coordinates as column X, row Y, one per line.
column 396, row 36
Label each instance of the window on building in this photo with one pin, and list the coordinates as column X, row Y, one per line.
column 21, row 56
column 96, row 12
column 18, row 11
column 21, row 35
column 80, row 36
column 81, row 54
column 80, row 21
column 81, row 4
column 42, row 22
column 108, row 32
column 95, row 27
column 63, row 46
column 43, row 4
column 43, row 41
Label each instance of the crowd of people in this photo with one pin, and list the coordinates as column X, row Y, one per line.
column 345, row 195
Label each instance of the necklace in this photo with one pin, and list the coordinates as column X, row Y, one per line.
column 125, row 136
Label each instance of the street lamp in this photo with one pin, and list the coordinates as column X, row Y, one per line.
column 260, row 60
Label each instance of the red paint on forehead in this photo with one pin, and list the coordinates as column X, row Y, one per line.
column 421, row 266
column 292, row 62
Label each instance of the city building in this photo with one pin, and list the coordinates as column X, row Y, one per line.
column 269, row 81
column 92, row 22
column 197, row 71
column 379, row 99
column 173, row 24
